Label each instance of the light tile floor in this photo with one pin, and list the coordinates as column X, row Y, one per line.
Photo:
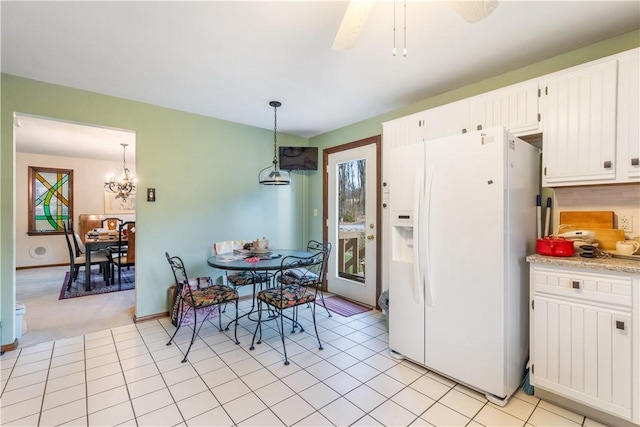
column 128, row 376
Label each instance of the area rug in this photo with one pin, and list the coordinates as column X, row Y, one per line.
column 341, row 306
column 98, row 286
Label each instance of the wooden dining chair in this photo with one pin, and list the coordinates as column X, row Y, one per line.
column 124, row 258
column 78, row 261
column 111, row 224
column 294, row 284
column 81, row 249
column 197, row 294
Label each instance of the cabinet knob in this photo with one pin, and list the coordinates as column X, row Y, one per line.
column 620, row 325
column 575, row 284
column 384, row 205
column 464, row 131
column 479, row 127
column 607, row 164
column 635, row 161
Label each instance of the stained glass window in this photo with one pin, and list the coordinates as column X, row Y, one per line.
column 50, row 199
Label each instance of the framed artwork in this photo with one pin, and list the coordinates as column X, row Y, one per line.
column 117, row 206
column 50, row 200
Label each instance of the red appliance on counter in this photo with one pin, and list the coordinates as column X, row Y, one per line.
column 554, row 246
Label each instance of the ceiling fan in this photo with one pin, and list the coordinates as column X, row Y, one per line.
column 357, row 13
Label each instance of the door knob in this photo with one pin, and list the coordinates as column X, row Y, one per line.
column 370, row 237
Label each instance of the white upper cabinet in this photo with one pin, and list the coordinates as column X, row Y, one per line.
column 514, row 107
column 447, row 120
column 579, row 143
column 628, row 131
column 589, row 117
column 404, row 131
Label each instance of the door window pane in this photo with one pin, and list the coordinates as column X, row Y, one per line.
column 351, row 219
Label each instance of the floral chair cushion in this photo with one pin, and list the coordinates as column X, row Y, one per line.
column 286, row 296
column 210, row 295
column 246, row 278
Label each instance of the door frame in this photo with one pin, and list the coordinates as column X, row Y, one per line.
column 377, row 140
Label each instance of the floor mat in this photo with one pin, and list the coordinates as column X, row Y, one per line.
column 342, row 306
column 98, row 286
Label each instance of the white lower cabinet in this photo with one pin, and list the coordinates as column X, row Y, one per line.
column 584, row 337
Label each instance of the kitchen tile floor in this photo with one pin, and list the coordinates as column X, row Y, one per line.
column 128, row 376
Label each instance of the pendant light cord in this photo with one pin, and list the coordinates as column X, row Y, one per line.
column 404, row 51
column 275, row 140
column 394, row 28
column 404, row 29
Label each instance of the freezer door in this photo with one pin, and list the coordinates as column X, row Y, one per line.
column 465, row 267
column 406, row 304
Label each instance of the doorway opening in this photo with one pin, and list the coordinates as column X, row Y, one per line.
column 352, row 219
column 92, row 152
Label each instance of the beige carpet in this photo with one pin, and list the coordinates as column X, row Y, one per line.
column 47, row 318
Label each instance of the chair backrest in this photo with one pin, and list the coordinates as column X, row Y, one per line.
column 303, row 271
column 77, row 241
column 315, row 246
column 111, row 224
column 179, row 271
column 67, row 231
column 130, row 226
column 227, row 246
column 181, row 278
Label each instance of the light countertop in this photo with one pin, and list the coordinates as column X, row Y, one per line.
column 607, row 264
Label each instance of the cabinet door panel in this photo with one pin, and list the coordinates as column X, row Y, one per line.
column 591, row 353
column 515, row 108
column 580, row 126
column 628, row 133
column 583, row 352
column 621, row 353
column 604, row 356
column 403, row 131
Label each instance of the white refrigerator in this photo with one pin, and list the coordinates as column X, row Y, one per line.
column 462, row 219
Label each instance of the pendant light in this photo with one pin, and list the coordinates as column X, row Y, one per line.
column 272, row 175
column 125, row 184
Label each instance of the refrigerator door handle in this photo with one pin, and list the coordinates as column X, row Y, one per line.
column 418, row 195
column 425, row 238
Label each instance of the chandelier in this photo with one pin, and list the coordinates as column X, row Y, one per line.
column 272, row 175
column 125, row 184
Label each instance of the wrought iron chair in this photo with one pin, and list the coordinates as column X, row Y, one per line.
column 238, row 279
column 296, row 283
column 202, row 296
column 315, row 246
column 77, row 258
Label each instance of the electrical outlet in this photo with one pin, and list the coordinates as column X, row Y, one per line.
column 625, row 222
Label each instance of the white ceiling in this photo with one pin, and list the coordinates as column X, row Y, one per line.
column 228, row 59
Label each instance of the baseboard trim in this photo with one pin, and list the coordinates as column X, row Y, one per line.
column 27, row 267
column 9, row 347
column 137, row 319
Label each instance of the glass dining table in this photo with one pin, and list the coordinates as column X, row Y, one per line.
column 240, row 263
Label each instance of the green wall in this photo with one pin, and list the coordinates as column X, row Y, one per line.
column 205, row 173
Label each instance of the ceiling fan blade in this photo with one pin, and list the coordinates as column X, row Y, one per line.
column 352, row 23
column 474, row 10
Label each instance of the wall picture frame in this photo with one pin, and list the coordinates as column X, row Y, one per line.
column 117, row 206
column 50, row 200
